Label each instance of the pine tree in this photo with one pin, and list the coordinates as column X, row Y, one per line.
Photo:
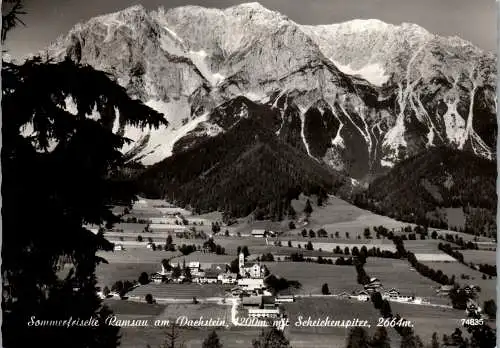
column 172, row 337
column 308, row 208
column 435, row 341
column 325, row 290
column 70, row 185
column 380, row 339
column 358, row 338
column 212, row 341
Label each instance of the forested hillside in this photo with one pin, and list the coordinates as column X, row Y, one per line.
column 416, row 189
column 244, row 170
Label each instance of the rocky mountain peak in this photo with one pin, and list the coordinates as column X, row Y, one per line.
column 363, row 91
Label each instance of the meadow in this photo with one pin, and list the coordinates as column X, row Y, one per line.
column 427, row 320
column 179, row 291
column 479, row 256
column 488, row 286
column 312, row 276
column 397, row 274
column 334, row 309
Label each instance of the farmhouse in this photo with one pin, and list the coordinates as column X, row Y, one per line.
column 209, row 277
column 167, row 228
column 260, row 233
column 373, row 285
column 263, row 312
column 162, row 220
column 363, row 296
column 445, row 290
column 158, row 278
column 285, row 299
column 227, row 278
column 393, row 293
column 344, row 295
column 251, row 283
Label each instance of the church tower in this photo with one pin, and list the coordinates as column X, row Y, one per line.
column 242, row 264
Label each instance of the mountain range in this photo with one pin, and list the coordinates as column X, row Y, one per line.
column 260, row 108
column 358, row 96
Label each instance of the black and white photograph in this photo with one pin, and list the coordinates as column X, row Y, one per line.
column 225, row 174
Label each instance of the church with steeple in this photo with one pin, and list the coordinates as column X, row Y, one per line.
column 249, row 269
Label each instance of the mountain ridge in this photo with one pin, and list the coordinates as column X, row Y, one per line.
column 432, row 91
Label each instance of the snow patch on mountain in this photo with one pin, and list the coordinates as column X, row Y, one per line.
column 199, row 58
column 161, row 141
column 455, row 125
column 373, row 73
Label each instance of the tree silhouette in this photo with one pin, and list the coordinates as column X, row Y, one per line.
column 212, row 341
column 172, row 338
column 380, row 338
column 12, row 10
column 358, row 338
column 308, row 208
column 66, row 167
column 325, row 290
column 271, row 337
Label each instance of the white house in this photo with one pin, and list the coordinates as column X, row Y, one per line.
column 210, row 277
column 392, row 293
column 163, row 220
column 263, row 312
column 363, row 296
column 158, row 278
column 227, row 278
column 259, row 233
column 373, row 285
column 285, row 299
column 167, row 228
column 250, row 284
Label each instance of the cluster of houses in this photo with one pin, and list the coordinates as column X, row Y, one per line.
column 250, row 277
column 376, row 286
column 215, row 274
column 445, row 290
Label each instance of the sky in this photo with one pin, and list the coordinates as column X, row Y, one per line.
column 474, row 21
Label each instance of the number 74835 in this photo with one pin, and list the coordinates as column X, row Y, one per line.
column 472, row 322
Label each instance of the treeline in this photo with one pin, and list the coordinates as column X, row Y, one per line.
column 455, row 239
column 416, row 188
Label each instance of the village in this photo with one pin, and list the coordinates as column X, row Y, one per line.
column 249, row 272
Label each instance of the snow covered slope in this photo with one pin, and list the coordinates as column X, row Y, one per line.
column 358, row 96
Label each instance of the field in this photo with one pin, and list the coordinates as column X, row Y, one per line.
column 480, row 256
column 488, row 286
column 397, row 274
column 204, row 259
column 427, row 320
column 312, row 276
column 179, row 291
column 334, row 309
column 108, row 274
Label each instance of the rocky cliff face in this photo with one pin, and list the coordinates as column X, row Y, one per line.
column 358, row 96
